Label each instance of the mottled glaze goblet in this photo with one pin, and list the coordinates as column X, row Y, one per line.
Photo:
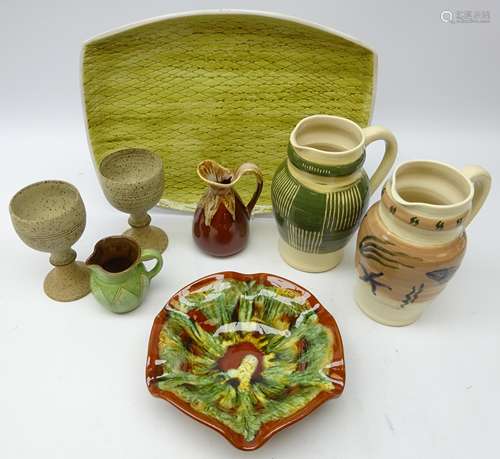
column 133, row 182
column 49, row 216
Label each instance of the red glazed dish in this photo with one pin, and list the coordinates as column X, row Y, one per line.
column 247, row 355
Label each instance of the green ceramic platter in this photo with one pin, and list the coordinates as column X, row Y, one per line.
column 222, row 85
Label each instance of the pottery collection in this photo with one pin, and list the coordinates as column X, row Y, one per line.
column 320, row 191
column 248, row 354
column 221, row 220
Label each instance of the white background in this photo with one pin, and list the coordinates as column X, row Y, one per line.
column 72, row 375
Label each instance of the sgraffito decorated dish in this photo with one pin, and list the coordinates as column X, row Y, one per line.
column 225, row 85
column 245, row 354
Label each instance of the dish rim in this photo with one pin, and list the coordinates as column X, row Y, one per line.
column 267, row 429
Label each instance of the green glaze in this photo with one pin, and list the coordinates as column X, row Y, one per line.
column 125, row 290
column 313, row 221
column 224, row 86
column 322, row 170
column 204, row 326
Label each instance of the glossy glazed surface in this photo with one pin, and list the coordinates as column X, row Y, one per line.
column 225, row 235
column 411, row 242
column 151, row 84
column 119, row 280
column 245, row 354
column 321, row 191
column 221, row 220
column 400, row 270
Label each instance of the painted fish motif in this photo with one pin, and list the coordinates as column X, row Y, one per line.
column 441, row 276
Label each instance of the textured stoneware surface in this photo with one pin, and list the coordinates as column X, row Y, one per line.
column 320, row 191
column 133, row 180
column 152, row 86
column 49, row 216
column 245, row 354
column 412, row 241
column 119, row 279
column 67, row 282
column 221, row 220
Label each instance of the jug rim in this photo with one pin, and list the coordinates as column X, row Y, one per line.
column 443, row 166
column 115, row 237
column 210, row 163
column 329, row 157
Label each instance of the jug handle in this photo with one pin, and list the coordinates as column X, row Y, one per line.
column 373, row 133
column 151, row 254
column 481, row 181
column 250, row 168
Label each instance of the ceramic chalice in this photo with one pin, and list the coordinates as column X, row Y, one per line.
column 49, row 216
column 133, row 182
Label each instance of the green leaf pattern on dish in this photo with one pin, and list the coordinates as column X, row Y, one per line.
column 279, row 353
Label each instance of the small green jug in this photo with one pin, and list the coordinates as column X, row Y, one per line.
column 119, row 280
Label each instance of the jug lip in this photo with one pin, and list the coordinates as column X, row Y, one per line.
column 330, row 157
column 115, row 237
column 214, row 164
column 444, row 166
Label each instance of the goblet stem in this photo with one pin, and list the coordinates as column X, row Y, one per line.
column 139, row 220
column 62, row 257
column 146, row 235
column 69, row 280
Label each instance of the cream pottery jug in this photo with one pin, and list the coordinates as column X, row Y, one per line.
column 320, row 192
column 412, row 241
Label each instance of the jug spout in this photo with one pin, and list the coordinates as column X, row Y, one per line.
column 114, row 255
column 216, row 176
column 95, row 268
column 431, row 189
column 93, row 262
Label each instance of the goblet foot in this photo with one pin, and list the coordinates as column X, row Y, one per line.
column 149, row 237
column 67, row 283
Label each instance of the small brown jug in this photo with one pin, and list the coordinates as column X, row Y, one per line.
column 220, row 225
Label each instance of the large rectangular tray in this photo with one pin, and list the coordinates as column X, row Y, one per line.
column 224, row 85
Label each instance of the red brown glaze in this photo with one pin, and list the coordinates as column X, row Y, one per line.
column 220, row 224
column 153, row 368
column 225, row 235
column 235, row 354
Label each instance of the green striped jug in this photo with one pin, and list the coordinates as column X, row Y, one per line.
column 321, row 191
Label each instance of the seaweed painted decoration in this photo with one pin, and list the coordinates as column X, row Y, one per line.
column 245, row 354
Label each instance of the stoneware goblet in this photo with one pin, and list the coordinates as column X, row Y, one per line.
column 49, row 216
column 133, row 182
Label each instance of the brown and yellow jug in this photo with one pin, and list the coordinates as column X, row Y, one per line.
column 221, row 220
column 412, row 241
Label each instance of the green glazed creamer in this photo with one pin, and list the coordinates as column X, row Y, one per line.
column 320, row 191
column 119, row 280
